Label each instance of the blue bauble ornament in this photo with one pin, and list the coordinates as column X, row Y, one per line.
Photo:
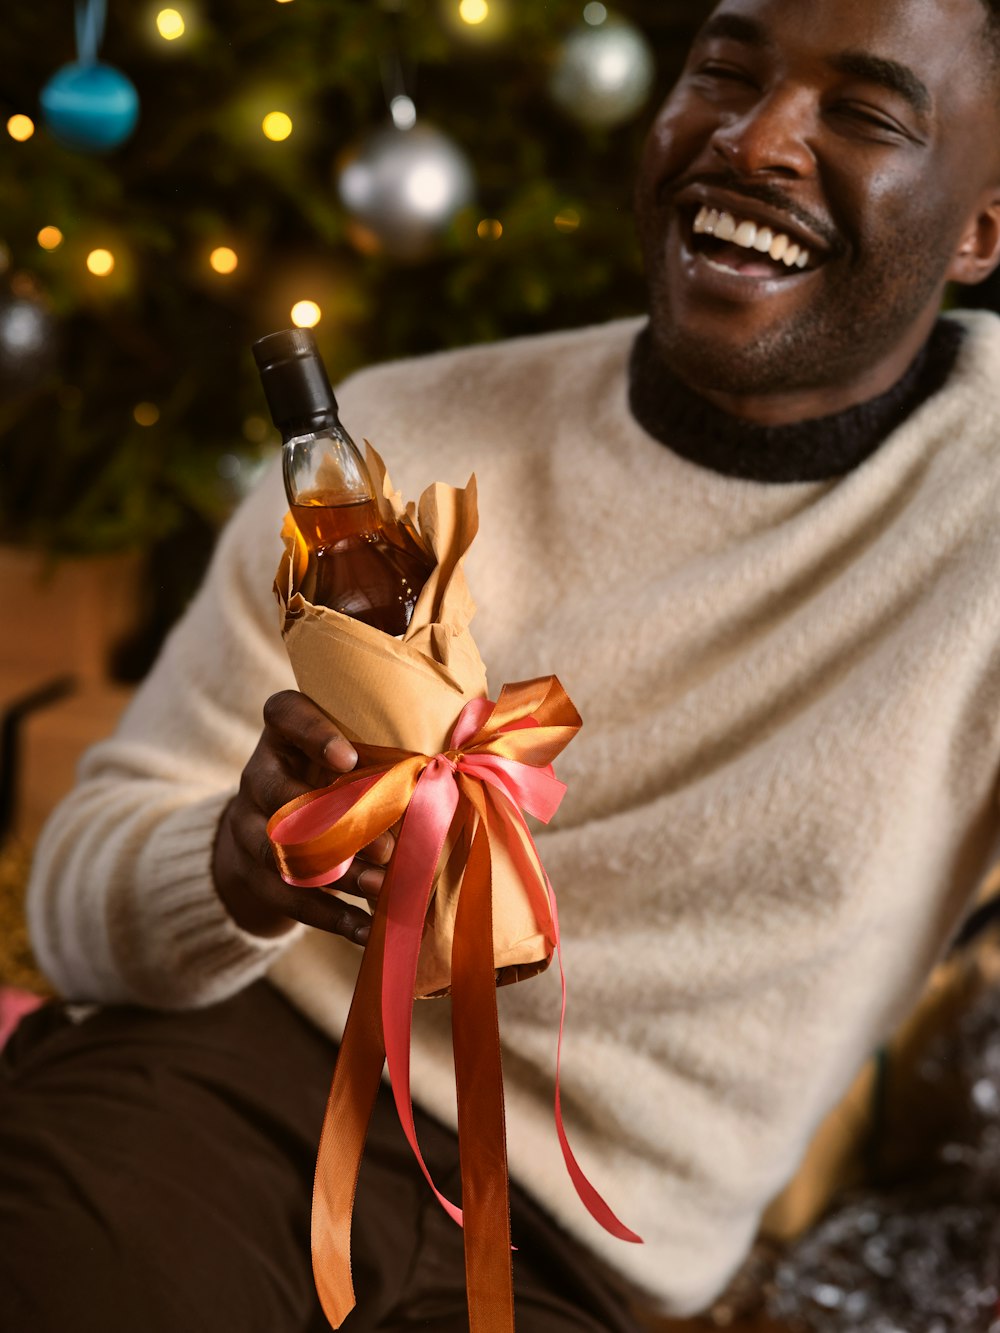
column 90, row 106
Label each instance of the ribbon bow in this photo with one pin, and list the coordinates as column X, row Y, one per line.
column 498, row 764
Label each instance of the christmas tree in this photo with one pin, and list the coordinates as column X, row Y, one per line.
column 136, row 277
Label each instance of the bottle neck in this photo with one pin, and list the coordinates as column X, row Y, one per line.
column 321, row 463
column 319, row 423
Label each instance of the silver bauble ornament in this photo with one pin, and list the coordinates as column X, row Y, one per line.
column 28, row 345
column 404, row 186
column 603, row 75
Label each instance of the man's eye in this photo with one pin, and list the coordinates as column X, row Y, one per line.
column 866, row 115
column 724, row 73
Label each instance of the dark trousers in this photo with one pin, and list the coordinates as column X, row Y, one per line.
column 156, row 1173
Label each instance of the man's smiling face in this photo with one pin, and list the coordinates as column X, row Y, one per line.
column 817, row 176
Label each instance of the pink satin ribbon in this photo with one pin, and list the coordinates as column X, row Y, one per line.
column 497, row 765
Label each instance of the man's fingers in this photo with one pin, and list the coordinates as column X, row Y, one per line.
column 320, row 908
column 380, row 851
column 300, row 724
column 361, row 880
column 370, row 881
column 325, row 911
column 267, row 786
column 364, row 878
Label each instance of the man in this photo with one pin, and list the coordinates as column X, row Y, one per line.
column 756, row 539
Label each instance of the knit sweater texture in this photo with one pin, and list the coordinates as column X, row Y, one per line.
column 781, row 801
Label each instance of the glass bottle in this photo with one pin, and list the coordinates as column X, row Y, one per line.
column 357, row 565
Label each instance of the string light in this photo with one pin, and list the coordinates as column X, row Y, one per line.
column 595, row 14
column 306, row 314
column 473, row 12
column 478, row 21
column 276, row 125
column 567, row 220
column 146, row 414
column 223, row 260
column 20, row 128
column 100, row 263
column 256, row 429
column 49, row 238
column 170, row 24
column 24, row 286
column 490, row 229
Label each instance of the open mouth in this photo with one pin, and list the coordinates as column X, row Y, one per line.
column 741, row 246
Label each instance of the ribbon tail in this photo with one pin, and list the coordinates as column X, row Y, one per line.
column 345, row 1127
column 414, row 863
column 589, row 1197
column 479, row 1081
column 525, row 856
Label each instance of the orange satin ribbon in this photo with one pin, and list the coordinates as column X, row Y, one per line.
column 499, row 763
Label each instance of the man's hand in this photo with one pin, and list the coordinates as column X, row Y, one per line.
column 299, row 750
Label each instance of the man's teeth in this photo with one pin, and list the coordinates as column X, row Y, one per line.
column 747, row 235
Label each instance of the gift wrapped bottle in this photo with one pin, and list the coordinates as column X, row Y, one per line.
column 358, row 564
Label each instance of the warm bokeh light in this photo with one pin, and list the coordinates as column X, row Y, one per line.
column 256, row 429
column 567, row 220
column 306, row 314
column 25, row 286
column 49, row 238
column 224, row 260
column 100, row 262
column 146, row 414
column 277, row 125
column 473, row 11
column 20, row 128
column 490, row 229
column 170, row 24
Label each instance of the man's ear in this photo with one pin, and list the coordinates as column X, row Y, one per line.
column 979, row 252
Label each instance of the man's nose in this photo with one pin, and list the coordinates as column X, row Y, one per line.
column 772, row 137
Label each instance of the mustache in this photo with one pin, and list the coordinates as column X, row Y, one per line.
column 763, row 193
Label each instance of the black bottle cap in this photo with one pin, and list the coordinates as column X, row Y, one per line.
column 295, row 381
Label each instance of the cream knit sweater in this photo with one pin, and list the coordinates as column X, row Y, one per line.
column 782, row 798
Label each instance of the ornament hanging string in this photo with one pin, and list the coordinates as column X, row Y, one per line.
column 88, row 105
column 396, row 82
column 90, row 19
column 398, row 85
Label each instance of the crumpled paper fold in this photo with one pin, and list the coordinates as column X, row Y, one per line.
column 408, row 693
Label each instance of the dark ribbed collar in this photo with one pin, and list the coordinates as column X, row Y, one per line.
column 815, row 450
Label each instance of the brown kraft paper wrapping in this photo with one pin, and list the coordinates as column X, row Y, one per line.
column 407, row 694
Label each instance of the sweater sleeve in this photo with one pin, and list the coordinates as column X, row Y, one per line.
column 121, row 903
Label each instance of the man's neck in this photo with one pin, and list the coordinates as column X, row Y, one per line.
column 813, row 449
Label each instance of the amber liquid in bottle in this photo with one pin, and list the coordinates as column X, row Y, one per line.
column 357, row 565
column 353, row 566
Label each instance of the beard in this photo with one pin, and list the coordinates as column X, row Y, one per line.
column 861, row 312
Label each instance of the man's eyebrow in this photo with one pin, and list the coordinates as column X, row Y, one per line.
column 887, row 74
column 737, row 28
